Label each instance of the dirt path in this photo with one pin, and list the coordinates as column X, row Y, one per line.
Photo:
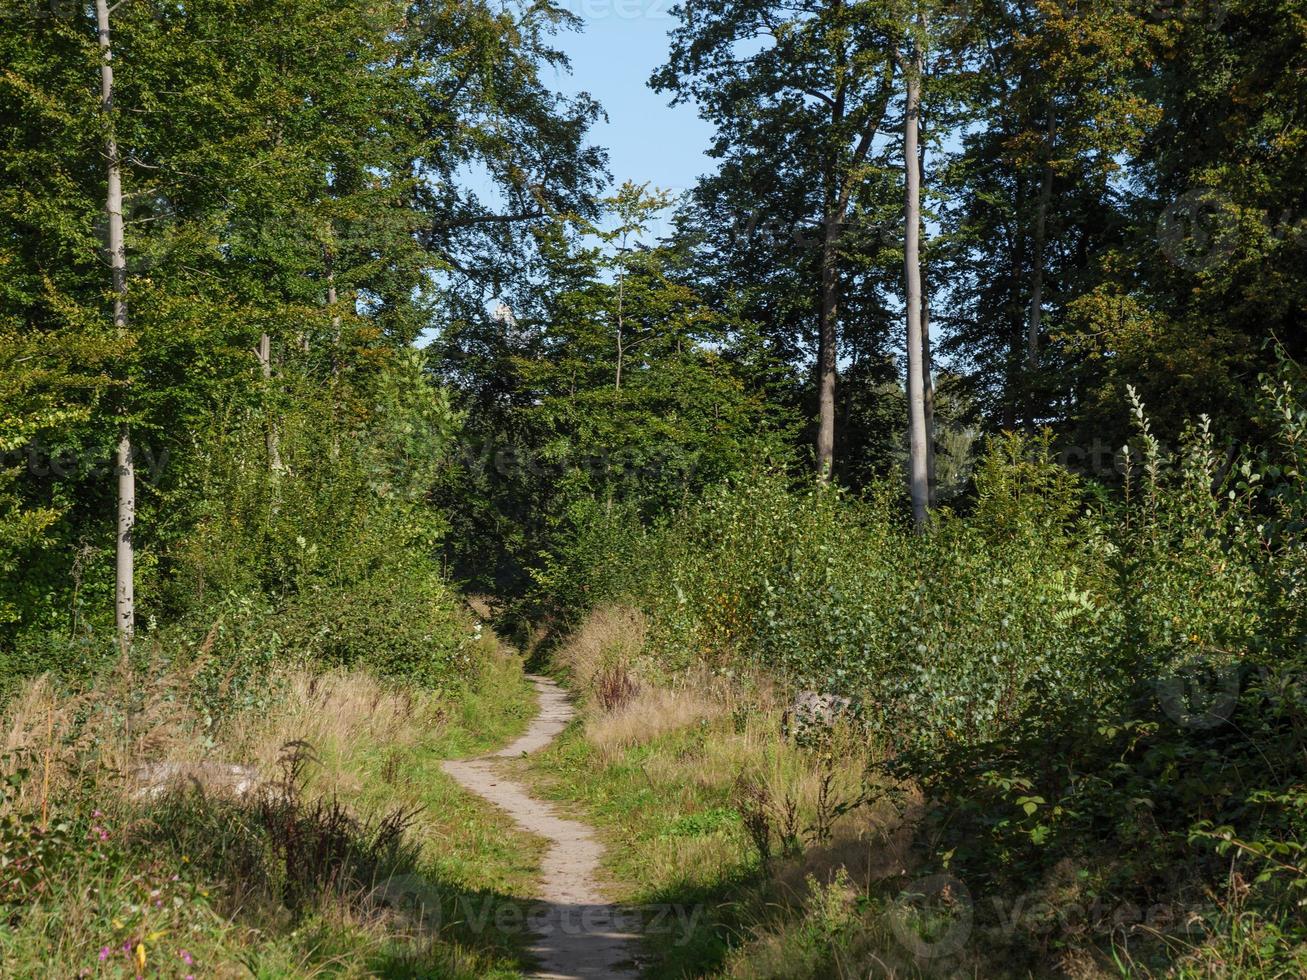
column 580, row 935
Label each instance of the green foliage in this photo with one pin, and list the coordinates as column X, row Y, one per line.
column 293, row 170
column 941, row 637
column 1070, row 673
column 340, row 543
column 1115, row 685
column 621, row 390
column 637, row 399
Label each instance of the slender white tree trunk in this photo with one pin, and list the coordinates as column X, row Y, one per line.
column 621, row 315
column 125, row 563
column 332, row 299
column 125, row 551
column 329, row 259
column 928, row 396
column 927, row 360
column 918, row 478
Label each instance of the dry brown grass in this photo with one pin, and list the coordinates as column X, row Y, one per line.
column 95, row 737
column 825, row 820
column 147, row 716
column 330, row 712
column 611, row 635
column 654, row 711
column 611, row 643
column 103, row 736
column 622, row 705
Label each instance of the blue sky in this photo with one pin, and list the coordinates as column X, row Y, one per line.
column 623, row 41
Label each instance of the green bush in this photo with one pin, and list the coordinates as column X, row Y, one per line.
column 941, row 636
column 335, row 551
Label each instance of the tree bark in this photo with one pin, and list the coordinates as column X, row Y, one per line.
column 834, row 212
column 928, row 397
column 835, row 192
column 125, row 549
column 329, row 263
column 125, row 552
column 621, row 326
column 918, row 479
column 621, row 314
column 272, row 436
column 826, row 347
column 1015, row 309
column 927, row 360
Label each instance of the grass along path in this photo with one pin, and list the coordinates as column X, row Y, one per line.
column 580, row 935
column 673, row 771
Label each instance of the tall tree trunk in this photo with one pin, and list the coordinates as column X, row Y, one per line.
column 125, row 552
column 329, row 263
column 1035, row 316
column 927, row 360
column 125, row 548
column 621, row 326
column 826, row 346
column 272, row 436
column 621, row 315
column 918, row 479
column 1014, row 309
column 928, row 396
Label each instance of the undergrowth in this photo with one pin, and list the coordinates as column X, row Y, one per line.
column 1085, row 711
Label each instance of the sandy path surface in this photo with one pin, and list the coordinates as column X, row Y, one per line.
column 580, row 935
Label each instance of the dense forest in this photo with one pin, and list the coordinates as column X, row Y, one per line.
column 915, row 507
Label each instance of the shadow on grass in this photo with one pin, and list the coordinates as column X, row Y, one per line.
column 690, row 928
column 281, row 863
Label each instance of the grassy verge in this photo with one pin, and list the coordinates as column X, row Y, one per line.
column 354, row 856
column 745, row 849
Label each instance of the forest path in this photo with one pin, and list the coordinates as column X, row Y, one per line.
column 579, row 934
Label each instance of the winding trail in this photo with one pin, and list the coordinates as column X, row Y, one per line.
column 579, row 934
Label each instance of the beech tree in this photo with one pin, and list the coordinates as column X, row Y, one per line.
column 116, row 248
column 912, row 62
column 277, row 189
column 1052, row 111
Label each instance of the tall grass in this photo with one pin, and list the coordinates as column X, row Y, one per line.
column 127, row 849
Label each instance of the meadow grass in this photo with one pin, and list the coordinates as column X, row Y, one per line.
column 380, row 866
